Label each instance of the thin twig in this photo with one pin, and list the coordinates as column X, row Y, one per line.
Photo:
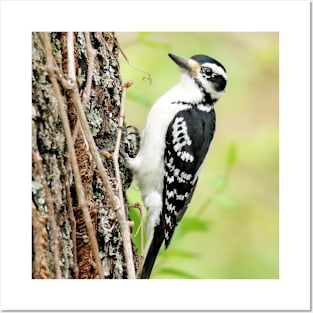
column 120, row 125
column 91, row 53
column 70, row 53
column 120, row 211
column 86, row 214
column 145, row 78
column 77, row 178
column 121, row 214
column 141, row 226
column 72, row 220
column 54, row 228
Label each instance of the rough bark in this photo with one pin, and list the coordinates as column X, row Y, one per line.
column 60, row 238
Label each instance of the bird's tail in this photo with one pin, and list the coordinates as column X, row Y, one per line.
column 150, row 256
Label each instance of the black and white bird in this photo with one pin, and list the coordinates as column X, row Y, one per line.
column 174, row 144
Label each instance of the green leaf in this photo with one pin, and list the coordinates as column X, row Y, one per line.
column 191, row 224
column 177, row 273
column 225, row 202
column 135, row 217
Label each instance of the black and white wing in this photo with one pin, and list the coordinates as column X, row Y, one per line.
column 187, row 142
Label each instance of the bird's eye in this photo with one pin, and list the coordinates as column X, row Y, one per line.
column 207, row 71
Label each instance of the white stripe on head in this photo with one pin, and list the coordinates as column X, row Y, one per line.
column 216, row 69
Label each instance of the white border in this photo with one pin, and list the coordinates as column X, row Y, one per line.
column 291, row 19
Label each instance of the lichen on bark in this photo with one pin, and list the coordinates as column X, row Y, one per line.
column 102, row 111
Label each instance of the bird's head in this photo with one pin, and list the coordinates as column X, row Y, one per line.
column 209, row 74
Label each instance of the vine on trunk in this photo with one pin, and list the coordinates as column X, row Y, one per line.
column 77, row 97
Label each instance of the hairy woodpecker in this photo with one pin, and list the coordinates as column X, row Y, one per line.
column 175, row 141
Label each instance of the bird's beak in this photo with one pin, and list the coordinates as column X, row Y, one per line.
column 188, row 64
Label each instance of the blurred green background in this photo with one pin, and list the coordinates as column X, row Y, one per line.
column 231, row 229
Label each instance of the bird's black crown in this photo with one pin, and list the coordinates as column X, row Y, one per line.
column 201, row 59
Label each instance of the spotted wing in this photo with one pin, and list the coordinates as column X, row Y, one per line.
column 187, row 142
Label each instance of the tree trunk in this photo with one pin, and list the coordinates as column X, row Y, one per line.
column 62, row 247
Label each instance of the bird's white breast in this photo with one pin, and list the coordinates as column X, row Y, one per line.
column 148, row 166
